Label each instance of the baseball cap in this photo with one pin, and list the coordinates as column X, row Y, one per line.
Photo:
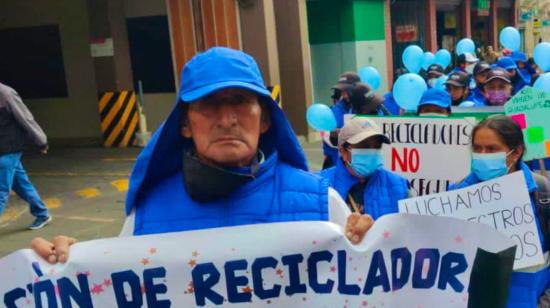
column 466, row 57
column 519, row 56
column 458, row 79
column 358, row 129
column 435, row 97
column 507, row 63
column 481, row 67
column 346, row 80
column 435, row 69
column 498, row 73
column 220, row 68
column 470, row 57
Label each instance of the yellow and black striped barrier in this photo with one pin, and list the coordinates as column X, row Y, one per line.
column 119, row 118
column 276, row 94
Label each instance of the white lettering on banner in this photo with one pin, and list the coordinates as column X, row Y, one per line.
column 400, row 263
column 502, row 203
column 430, row 152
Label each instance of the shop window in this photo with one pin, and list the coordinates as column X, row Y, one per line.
column 31, row 61
column 150, row 53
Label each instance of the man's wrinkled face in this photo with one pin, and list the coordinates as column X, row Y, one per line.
column 226, row 127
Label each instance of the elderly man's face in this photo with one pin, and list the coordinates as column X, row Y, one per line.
column 226, row 126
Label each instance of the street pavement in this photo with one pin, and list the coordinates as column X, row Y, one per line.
column 85, row 190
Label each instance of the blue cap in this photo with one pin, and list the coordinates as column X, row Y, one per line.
column 435, row 97
column 220, row 68
column 507, row 63
column 519, row 56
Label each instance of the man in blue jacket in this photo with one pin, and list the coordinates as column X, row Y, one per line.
column 344, row 86
column 225, row 156
column 518, row 80
column 359, row 175
column 480, row 76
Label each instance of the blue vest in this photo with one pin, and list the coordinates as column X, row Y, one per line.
column 391, row 104
column 477, row 97
column 383, row 190
column 526, row 288
column 278, row 193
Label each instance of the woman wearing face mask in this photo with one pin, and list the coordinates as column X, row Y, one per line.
column 498, row 147
column 359, row 175
column 497, row 88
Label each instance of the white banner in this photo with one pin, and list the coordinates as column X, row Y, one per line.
column 430, row 152
column 404, row 261
column 502, row 203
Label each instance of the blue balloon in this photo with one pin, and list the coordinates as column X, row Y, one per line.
column 412, row 58
column 440, row 83
column 370, row 75
column 443, row 58
column 427, row 60
column 408, row 90
column 465, row 45
column 510, row 38
column 320, row 117
column 542, row 56
column 543, row 83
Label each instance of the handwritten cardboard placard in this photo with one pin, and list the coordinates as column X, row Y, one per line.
column 502, row 203
column 530, row 108
column 430, row 152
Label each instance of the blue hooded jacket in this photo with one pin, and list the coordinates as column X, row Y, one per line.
column 282, row 190
column 382, row 193
column 526, row 288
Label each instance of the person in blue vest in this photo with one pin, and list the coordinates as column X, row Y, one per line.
column 225, row 156
column 359, row 175
column 345, row 83
column 434, row 103
column 498, row 147
column 480, row 76
column 518, row 81
column 458, row 87
column 525, row 69
column 465, row 63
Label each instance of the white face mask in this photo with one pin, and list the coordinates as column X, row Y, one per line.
column 432, row 81
column 432, row 114
column 470, row 68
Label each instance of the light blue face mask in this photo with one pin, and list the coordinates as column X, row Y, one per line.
column 489, row 166
column 365, row 161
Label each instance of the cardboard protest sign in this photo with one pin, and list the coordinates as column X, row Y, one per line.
column 430, row 152
column 502, row 203
column 400, row 263
column 530, row 108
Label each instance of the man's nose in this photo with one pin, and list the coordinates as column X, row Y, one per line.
column 227, row 116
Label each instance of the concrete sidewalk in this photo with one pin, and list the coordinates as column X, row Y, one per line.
column 84, row 188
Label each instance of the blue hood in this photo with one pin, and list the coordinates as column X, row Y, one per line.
column 163, row 155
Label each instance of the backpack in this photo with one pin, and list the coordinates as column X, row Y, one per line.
column 542, row 201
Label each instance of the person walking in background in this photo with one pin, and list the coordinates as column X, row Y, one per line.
column 16, row 126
